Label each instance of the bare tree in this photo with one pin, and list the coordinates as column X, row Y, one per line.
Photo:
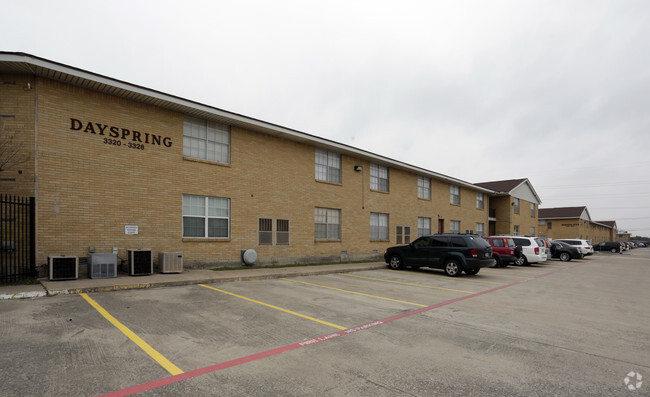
column 11, row 153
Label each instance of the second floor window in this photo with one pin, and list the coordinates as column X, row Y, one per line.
column 424, row 188
column 378, row 178
column 206, row 140
column 480, row 203
column 454, row 194
column 328, row 166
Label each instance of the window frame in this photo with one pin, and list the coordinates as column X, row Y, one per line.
column 206, row 217
column 480, row 231
column 421, row 220
column 266, row 235
column 480, row 201
column 451, row 226
column 376, row 178
column 424, row 188
column 378, row 231
column 278, row 232
column 323, row 169
column 206, row 126
column 517, row 205
column 329, row 226
column 532, row 210
column 454, row 194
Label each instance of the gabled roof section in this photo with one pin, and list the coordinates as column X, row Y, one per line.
column 22, row 63
column 564, row 213
column 610, row 224
column 519, row 188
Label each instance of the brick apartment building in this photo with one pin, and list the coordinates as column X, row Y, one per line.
column 112, row 164
column 574, row 222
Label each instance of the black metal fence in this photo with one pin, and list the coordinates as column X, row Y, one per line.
column 17, row 238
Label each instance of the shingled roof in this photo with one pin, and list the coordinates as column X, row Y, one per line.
column 561, row 212
column 502, row 186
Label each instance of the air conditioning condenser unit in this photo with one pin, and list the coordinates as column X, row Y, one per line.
column 102, row 265
column 139, row 262
column 170, row 262
column 63, row 267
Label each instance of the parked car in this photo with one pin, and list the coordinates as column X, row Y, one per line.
column 504, row 250
column 611, row 246
column 564, row 251
column 533, row 250
column 454, row 253
column 585, row 246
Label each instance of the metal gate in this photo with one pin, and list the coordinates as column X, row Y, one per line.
column 17, row 238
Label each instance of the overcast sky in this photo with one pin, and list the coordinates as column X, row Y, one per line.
column 554, row 91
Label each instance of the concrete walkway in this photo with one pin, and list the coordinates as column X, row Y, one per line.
column 46, row 287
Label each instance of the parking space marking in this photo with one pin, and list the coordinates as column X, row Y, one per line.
column 258, row 356
column 354, row 292
column 403, row 283
column 275, row 307
column 450, row 278
column 160, row 359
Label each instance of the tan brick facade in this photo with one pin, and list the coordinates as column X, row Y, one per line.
column 89, row 185
column 507, row 218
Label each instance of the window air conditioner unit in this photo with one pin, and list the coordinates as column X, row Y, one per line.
column 102, row 265
column 170, row 262
column 139, row 262
column 63, row 267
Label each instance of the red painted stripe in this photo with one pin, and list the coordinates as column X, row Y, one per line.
column 243, row 360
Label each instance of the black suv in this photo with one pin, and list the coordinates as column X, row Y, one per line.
column 453, row 253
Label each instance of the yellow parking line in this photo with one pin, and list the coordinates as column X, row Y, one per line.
column 353, row 292
column 160, row 359
column 276, row 308
column 399, row 282
column 452, row 278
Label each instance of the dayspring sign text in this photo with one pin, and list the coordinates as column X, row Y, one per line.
column 119, row 136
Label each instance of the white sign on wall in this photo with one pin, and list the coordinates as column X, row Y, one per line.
column 131, row 229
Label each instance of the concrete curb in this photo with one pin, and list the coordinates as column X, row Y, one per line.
column 69, row 287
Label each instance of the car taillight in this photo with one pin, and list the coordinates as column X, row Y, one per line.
column 474, row 252
column 536, row 250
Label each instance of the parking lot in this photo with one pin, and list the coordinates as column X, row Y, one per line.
column 557, row 328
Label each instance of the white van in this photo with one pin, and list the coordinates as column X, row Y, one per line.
column 533, row 250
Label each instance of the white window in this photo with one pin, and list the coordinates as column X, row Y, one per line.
column 532, row 231
column 378, row 178
column 480, row 229
column 454, row 194
column 327, row 224
column 282, row 232
column 454, row 227
column 516, row 205
column 424, row 226
column 265, row 231
column 328, row 166
column 424, row 188
column 516, row 230
column 402, row 234
column 206, row 140
column 480, row 203
column 541, row 222
column 378, row 226
column 206, row 216
column 532, row 209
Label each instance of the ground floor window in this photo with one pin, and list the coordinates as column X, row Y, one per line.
column 265, row 231
column 480, row 229
column 516, row 230
column 327, row 224
column 378, row 226
column 424, row 226
column 403, row 234
column 205, row 216
column 454, row 226
column 282, row 232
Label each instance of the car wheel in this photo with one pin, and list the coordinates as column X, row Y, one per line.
column 395, row 262
column 565, row 257
column 452, row 268
column 498, row 264
column 472, row 272
column 613, row 250
column 521, row 261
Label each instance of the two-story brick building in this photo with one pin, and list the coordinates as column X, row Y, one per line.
column 513, row 207
column 574, row 222
column 116, row 165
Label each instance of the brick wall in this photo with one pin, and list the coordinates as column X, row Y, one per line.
column 90, row 186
